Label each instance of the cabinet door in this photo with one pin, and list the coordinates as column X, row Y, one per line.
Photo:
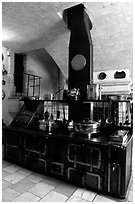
column 74, row 176
column 36, row 145
column 32, row 142
column 13, row 148
column 35, row 152
column 85, row 155
column 115, row 170
column 57, row 150
column 57, row 157
column 115, row 178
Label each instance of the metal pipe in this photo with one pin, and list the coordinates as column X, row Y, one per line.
column 91, row 64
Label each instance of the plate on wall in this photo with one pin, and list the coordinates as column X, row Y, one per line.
column 102, row 76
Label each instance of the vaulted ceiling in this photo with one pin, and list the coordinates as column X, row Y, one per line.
column 32, row 25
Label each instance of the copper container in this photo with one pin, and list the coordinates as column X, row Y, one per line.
column 93, row 92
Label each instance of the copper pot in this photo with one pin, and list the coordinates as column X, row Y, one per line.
column 87, row 127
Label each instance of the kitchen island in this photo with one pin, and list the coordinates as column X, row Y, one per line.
column 92, row 161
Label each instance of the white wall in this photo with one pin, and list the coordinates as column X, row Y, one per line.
column 52, row 80
column 8, row 87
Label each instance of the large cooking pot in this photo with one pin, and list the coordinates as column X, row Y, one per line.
column 86, row 127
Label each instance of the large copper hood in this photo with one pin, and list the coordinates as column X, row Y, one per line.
column 80, row 48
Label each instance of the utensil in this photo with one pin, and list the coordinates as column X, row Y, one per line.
column 64, row 118
column 46, row 112
column 51, row 116
column 58, row 113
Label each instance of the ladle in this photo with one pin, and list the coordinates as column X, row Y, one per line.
column 3, row 81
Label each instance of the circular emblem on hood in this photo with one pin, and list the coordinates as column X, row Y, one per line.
column 78, row 62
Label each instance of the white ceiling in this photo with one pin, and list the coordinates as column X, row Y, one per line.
column 32, row 25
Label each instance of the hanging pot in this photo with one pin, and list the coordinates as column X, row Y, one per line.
column 3, row 82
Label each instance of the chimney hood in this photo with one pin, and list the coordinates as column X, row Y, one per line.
column 80, row 72
column 80, row 67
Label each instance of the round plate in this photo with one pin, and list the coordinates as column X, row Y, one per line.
column 78, row 62
column 102, row 75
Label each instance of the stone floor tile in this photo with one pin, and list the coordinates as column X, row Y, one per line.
column 11, row 169
column 9, row 194
column 24, row 172
column 5, row 184
column 27, row 197
column 14, row 178
column 100, row 198
column 40, row 189
column 129, row 196
column 5, row 173
column 23, row 185
column 54, row 196
column 51, row 181
column 131, row 185
column 35, row 177
column 65, row 189
column 85, row 194
column 76, row 199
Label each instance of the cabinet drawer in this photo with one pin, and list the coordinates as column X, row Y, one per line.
column 92, row 180
column 13, row 153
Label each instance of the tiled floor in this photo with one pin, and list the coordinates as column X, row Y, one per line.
column 23, row 185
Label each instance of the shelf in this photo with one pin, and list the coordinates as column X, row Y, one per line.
column 81, row 101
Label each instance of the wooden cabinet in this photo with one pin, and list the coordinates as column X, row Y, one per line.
column 35, row 152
